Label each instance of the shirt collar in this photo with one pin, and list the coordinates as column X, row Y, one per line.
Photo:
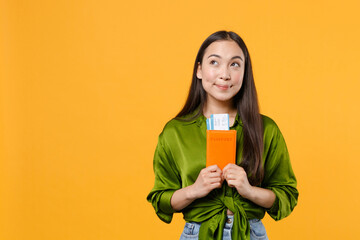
column 237, row 120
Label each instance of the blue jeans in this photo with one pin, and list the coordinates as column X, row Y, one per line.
column 257, row 230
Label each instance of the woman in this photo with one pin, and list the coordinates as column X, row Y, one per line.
column 228, row 203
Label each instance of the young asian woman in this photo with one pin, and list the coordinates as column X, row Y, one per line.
column 224, row 203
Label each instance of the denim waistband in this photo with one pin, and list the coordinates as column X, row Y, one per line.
column 229, row 221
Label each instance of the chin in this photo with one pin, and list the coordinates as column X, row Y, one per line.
column 223, row 98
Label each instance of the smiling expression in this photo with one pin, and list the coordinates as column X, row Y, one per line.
column 222, row 70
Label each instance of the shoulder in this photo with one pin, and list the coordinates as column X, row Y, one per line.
column 178, row 127
column 270, row 127
column 185, row 122
column 268, row 122
column 174, row 124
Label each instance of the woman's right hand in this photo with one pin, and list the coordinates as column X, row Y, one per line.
column 208, row 179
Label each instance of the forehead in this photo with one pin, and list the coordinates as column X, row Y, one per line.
column 224, row 48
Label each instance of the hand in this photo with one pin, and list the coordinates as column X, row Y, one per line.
column 237, row 177
column 208, row 179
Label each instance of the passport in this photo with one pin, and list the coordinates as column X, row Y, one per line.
column 220, row 147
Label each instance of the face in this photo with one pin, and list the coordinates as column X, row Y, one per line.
column 222, row 70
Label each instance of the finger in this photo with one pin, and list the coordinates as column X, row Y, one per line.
column 235, row 170
column 213, row 168
column 218, row 169
column 230, row 183
column 232, row 177
column 228, row 173
column 214, row 174
column 215, row 180
column 229, row 167
column 226, row 167
column 209, row 174
column 216, row 185
column 233, row 183
column 222, row 180
column 233, row 167
column 225, row 171
column 229, row 177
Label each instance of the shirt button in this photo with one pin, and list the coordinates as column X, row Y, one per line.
column 229, row 220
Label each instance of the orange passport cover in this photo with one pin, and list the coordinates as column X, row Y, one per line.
column 220, row 147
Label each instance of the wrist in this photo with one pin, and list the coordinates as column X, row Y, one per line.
column 250, row 193
column 190, row 193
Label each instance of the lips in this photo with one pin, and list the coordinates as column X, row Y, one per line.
column 222, row 87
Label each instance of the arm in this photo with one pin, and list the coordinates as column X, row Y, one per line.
column 261, row 196
column 236, row 177
column 167, row 195
column 278, row 174
column 167, row 181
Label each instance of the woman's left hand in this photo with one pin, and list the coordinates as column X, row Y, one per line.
column 237, row 177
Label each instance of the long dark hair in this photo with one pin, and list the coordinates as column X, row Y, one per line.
column 246, row 103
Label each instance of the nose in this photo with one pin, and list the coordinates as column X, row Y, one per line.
column 225, row 73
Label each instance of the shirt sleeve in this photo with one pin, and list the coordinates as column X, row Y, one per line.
column 167, row 181
column 279, row 176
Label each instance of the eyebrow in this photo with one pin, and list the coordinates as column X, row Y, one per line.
column 215, row 55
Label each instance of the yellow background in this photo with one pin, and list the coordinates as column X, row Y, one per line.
column 87, row 86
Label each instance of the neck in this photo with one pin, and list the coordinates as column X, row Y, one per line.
column 218, row 107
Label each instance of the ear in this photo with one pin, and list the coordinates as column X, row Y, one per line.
column 199, row 71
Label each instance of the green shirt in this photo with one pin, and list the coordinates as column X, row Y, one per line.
column 181, row 154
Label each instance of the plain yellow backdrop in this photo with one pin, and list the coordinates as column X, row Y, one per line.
column 87, row 86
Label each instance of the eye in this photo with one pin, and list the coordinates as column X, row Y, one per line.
column 235, row 64
column 213, row 62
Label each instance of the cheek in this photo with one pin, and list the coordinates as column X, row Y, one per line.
column 209, row 75
column 238, row 78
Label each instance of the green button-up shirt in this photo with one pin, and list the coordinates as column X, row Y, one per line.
column 181, row 154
